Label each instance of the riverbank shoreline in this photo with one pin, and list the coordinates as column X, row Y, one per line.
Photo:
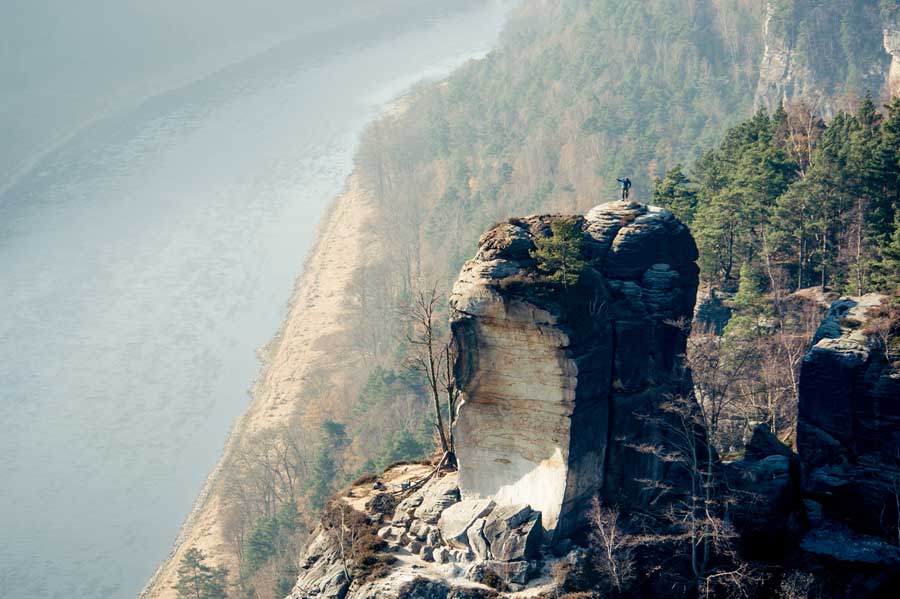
column 316, row 311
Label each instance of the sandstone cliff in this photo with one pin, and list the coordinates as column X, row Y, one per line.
column 555, row 384
column 832, row 510
column 818, row 54
column 892, row 47
column 848, row 436
column 559, row 386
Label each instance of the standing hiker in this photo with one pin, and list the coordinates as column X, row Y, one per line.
column 626, row 186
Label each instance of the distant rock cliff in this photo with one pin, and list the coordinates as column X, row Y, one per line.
column 818, row 53
column 892, row 47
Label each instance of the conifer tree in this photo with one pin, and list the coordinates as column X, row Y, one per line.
column 326, row 464
column 559, row 255
column 197, row 580
column 677, row 193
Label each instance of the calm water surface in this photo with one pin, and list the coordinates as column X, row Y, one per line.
column 141, row 265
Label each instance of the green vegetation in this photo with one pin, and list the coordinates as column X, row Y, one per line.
column 835, row 39
column 326, row 464
column 579, row 93
column 270, row 537
column 558, row 256
column 582, row 92
column 787, row 201
column 197, row 580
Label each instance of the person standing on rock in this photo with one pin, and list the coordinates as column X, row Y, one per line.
column 626, row 187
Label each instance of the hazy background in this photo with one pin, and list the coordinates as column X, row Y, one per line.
column 64, row 63
column 162, row 168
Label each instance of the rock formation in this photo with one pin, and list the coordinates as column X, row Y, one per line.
column 892, row 47
column 557, row 383
column 431, row 545
column 848, row 434
column 794, row 67
column 561, row 388
column 832, row 510
column 712, row 311
column 558, row 389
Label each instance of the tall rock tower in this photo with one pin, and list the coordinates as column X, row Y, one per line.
column 560, row 384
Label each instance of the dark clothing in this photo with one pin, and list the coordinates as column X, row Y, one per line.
column 626, row 187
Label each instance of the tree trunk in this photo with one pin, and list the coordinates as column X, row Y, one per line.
column 859, row 223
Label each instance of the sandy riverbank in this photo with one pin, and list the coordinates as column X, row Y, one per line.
column 318, row 315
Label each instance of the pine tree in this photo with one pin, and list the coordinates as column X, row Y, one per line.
column 326, row 463
column 559, row 255
column 197, row 580
column 889, row 268
column 261, row 545
column 677, row 193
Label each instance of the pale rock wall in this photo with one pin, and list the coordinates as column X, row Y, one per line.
column 789, row 72
column 892, row 47
column 555, row 381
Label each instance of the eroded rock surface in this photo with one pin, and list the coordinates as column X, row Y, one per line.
column 792, row 68
column 892, row 47
column 558, row 383
column 848, row 434
column 432, row 545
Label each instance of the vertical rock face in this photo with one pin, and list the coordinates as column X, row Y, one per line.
column 849, row 393
column 892, row 47
column 556, row 381
column 848, row 433
column 781, row 76
column 802, row 61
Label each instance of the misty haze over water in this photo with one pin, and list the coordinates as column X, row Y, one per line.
column 162, row 168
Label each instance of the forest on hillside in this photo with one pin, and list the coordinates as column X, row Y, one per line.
column 788, row 201
column 579, row 93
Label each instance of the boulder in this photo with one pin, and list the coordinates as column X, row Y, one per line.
column 763, row 443
column 841, row 544
column 768, row 508
column 441, row 555
column 478, row 544
column 321, row 572
column 487, row 572
column 513, row 532
column 455, row 521
column 436, row 497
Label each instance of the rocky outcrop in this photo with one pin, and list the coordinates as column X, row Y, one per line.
column 768, row 508
column 559, row 385
column 432, row 545
column 892, row 47
column 783, row 76
column 712, row 311
column 832, row 509
column 848, row 434
column 802, row 62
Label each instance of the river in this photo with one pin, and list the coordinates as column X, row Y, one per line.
column 145, row 258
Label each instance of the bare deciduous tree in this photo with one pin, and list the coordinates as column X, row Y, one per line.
column 613, row 555
column 692, row 426
column 433, row 356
